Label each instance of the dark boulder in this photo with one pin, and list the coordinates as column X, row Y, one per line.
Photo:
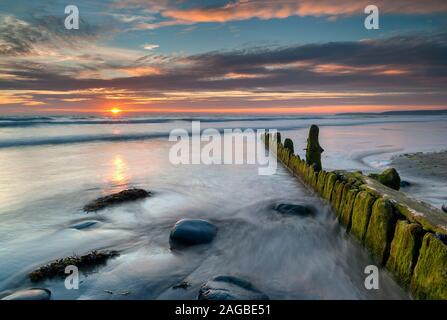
column 187, row 232
column 230, row 288
column 444, row 207
column 294, row 209
column 30, row 294
column 116, row 198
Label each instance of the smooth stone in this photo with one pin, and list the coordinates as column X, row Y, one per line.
column 294, row 209
column 30, row 294
column 192, row 232
column 84, row 225
column 230, row 288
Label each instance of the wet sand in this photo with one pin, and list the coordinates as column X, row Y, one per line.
column 424, row 165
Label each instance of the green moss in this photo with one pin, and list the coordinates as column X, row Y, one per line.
column 337, row 192
column 329, row 185
column 404, row 251
column 361, row 214
column 380, row 230
column 430, row 274
column 347, row 206
column 309, row 175
column 321, row 180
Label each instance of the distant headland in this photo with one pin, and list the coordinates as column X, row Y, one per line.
column 398, row 113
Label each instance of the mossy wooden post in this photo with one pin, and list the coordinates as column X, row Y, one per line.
column 267, row 140
column 347, row 206
column 288, row 144
column 380, row 230
column 278, row 137
column 361, row 214
column 430, row 274
column 404, row 251
column 313, row 150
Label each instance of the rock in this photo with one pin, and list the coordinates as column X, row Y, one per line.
column 84, row 225
column 444, row 208
column 390, row 178
column 288, row 144
column 30, row 294
column 314, row 150
column 191, row 232
column 230, row 288
column 405, row 184
column 294, row 209
column 182, row 285
column 57, row 268
column 116, row 198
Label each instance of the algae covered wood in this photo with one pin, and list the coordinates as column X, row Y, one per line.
column 347, row 203
column 329, row 185
column 361, row 214
column 431, row 218
column 404, row 251
column 430, row 274
column 380, row 230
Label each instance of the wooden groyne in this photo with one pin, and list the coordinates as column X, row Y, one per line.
column 404, row 235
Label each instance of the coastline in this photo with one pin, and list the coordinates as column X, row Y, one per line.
column 430, row 165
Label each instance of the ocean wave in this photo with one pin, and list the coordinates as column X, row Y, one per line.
column 6, row 122
column 28, row 142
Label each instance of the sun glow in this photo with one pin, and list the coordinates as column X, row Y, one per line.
column 115, row 110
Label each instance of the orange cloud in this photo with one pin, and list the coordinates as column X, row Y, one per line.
column 281, row 9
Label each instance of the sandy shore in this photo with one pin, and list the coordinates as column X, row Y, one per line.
column 424, row 165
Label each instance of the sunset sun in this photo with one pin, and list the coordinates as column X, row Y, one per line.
column 115, row 111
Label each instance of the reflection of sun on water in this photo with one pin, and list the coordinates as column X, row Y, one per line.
column 120, row 174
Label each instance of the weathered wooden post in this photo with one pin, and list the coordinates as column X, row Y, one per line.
column 314, row 150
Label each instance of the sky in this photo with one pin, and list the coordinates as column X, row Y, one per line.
column 220, row 56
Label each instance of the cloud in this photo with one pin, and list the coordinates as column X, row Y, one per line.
column 281, row 9
column 150, row 46
column 19, row 37
column 409, row 69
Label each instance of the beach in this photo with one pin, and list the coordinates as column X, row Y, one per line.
column 51, row 168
